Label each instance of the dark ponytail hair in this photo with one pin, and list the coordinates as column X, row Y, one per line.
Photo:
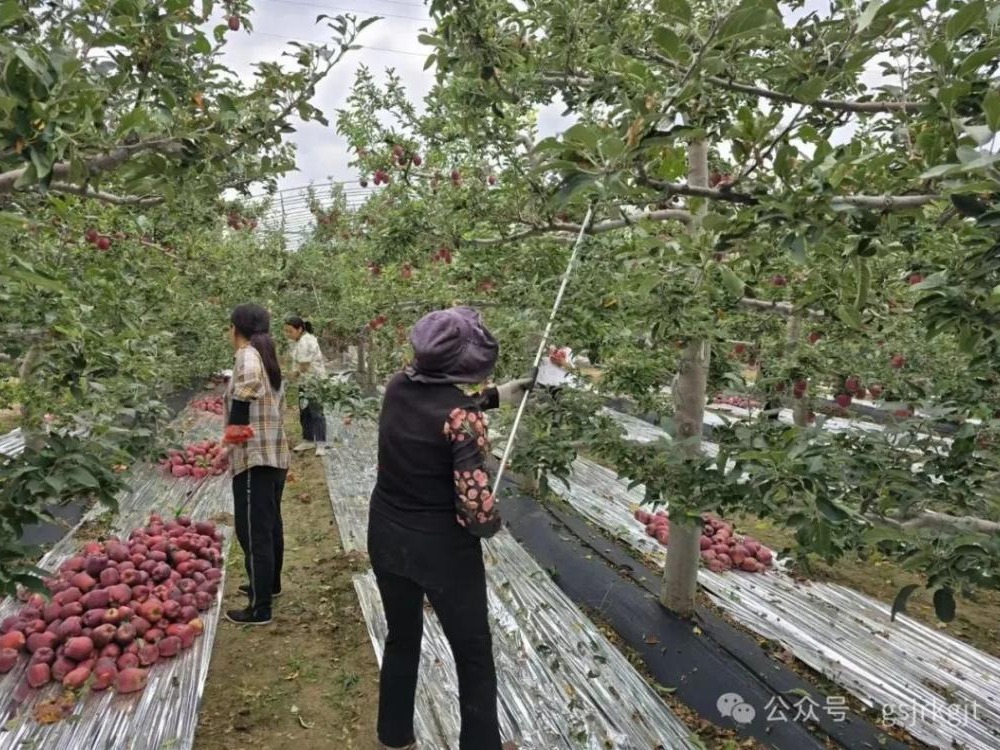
column 296, row 322
column 253, row 322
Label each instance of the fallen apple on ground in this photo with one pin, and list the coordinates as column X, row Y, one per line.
column 198, row 460
column 212, row 404
column 107, row 633
column 721, row 549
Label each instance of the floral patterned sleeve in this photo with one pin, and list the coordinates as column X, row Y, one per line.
column 466, row 430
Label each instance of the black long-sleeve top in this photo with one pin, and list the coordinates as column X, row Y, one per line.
column 432, row 452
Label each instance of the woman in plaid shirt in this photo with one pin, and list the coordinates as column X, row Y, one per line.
column 258, row 458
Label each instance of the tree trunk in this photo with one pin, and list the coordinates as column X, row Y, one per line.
column 800, row 406
column 680, row 578
column 34, row 438
column 362, row 363
column 372, row 369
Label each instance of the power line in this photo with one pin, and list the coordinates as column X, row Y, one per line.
column 363, row 46
column 346, row 10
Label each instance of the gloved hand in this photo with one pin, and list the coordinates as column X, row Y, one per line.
column 513, row 391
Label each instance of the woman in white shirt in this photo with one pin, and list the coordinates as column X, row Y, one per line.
column 307, row 365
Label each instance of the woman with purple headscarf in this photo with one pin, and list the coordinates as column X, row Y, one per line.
column 432, row 504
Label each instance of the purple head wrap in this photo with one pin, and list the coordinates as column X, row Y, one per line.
column 452, row 346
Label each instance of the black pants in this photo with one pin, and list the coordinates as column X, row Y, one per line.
column 448, row 569
column 257, row 507
column 313, row 422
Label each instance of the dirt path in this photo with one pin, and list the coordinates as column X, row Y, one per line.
column 310, row 680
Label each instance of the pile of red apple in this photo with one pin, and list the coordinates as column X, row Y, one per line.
column 117, row 608
column 211, row 404
column 740, row 402
column 198, row 460
column 721, row 549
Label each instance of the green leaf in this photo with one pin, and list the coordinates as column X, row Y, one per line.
column 939, row 53
column 939, row 171
column 966, row 17
column 83, row 477
column 944, row 604
column 583, row 135
column 678, row 9
column 27, row 178
column 991, row 108
column 30, row 278
column 668, row 42
column 571, row 185
column 10, row 12
column 811, row 90
column 868, row 14
column 744, row 21
column 899, row 603
column 849, row 316
column 13, row 221
column 40, row 70
column 56, row 483
column 430, row 41
column 734, row 285
column 201, row 45
column 831, row 510
column 934, row 281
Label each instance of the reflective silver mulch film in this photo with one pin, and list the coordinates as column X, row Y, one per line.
column 562, row 683
column 12, row 443
column 942, row 690
column 165, row 714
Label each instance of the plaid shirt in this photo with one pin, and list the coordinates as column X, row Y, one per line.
column 268, row 446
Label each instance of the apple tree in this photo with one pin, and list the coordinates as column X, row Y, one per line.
column 121, row 131
column 832, row 170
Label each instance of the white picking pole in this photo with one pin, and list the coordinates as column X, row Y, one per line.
column 543, row 344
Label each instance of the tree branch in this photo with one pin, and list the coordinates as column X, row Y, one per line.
column 841, row 105
column 95, row 165
column 875, row 202
column 117, row 200
column 669, row 214
column 885, row 202
column 782, row 308
column 673, row 189
column 935, row 521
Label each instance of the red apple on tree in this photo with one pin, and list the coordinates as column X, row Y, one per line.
column 234, row 23
column 898, row 361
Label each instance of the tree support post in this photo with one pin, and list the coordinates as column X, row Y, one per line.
column 800, row 406
column 680, row 578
